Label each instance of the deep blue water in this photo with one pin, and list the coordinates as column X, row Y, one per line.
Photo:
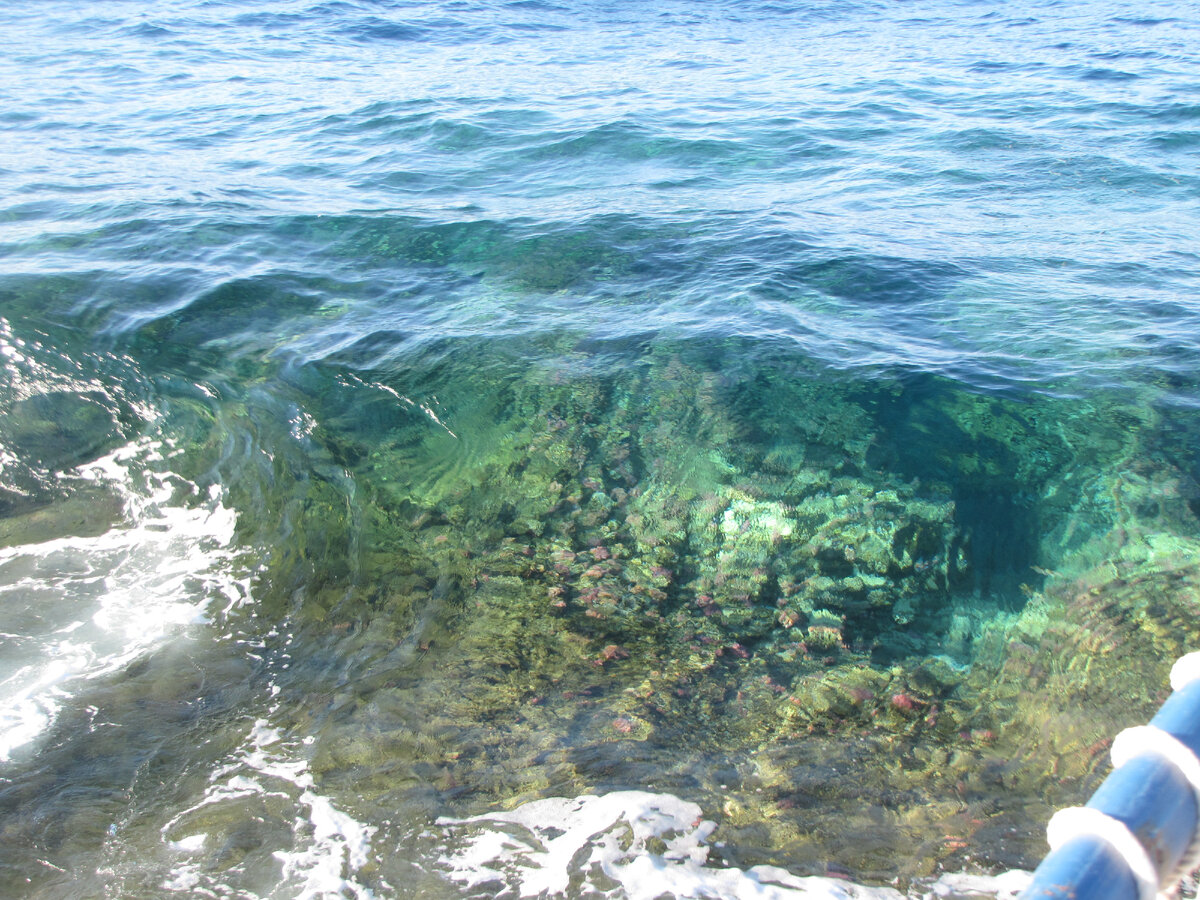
column 860, row 337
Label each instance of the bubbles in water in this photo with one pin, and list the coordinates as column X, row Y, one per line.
column 639, row 846
column 75, row 608
column 320, row 848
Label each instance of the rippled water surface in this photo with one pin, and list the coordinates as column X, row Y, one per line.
column 462, row 448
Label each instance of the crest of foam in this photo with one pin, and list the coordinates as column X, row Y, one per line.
column 627, row 844
column 327, row 848
column 643, row 846
column 79, row 608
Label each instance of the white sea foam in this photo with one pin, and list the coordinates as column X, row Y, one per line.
column 634, row 845
column 79, row 608
column 326, row 846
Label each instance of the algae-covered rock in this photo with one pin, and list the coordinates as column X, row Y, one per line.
column 62, row 429
column 596, row 578
column 86, row 513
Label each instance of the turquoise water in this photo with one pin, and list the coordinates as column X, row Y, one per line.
column 421, row 411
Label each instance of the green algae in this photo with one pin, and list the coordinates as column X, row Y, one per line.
column 849, row 618
column 586, row 579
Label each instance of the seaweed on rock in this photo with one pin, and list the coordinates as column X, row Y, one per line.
column 586, row 580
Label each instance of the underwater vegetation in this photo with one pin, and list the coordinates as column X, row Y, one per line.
column 889, row 623
column 413, row 413
column 852, row 619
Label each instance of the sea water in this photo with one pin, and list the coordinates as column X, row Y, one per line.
column 462, row 448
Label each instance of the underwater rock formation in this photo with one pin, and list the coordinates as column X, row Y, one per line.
column 637, row 579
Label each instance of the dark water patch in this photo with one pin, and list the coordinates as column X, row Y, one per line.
column 109, row 150
column 1098, row 74
column 569, row 257
column 296, row 171
column 1175, row 112
column 517, row 121
column 60, row 430
column 414, row 182
column 30, row 211
column 1145, row 21
column 688, row 64
column 995, row 459
column 89, row 25
column 454, row 136
column 535, row 27
column 543, row 258
column 372, row 29
column 379, row 350
column 1086, row 170
column 241, row 312
column 408, row 240
column 1176, row 140
column 972, row 140
column 536, row 5
column 18, row 117
column 390, row 124
column 272, row 20
column 1126, row 54
column 1132, row 272
column 121, row 73
column 1002, row 66
column 879, row 280
column 379, row 108
column 630, row 140
column 148, row 30
column 685, row 183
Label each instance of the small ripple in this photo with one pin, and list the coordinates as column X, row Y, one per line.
column 535, row 5
column 1099, row 74
column 147, row 30
column 18, row 117
column 1175, row 112
column 270, row 20
column 375, row 29
column 990, row 66
column 1114, row 55
column 1144, row 21
column 1173, row 141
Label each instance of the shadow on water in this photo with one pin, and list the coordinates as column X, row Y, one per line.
column 996, row 459
column 874, row 280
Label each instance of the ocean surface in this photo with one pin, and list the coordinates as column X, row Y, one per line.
column 464, row 448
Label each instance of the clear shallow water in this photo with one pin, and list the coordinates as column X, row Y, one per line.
column 416, row 412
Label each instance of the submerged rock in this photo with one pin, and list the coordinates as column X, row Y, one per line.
column 617, row 579
column 61, row 429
